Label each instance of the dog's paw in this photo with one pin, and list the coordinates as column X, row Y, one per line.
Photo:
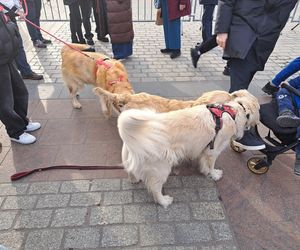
column 216, row 174
column 132, row 179
column 166, row 200
column 77, row 106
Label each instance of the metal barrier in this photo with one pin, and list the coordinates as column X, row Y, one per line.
column 142, row 11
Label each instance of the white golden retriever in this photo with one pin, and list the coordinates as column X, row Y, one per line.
column 154, row 142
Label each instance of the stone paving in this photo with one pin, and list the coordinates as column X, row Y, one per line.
column 100, row 209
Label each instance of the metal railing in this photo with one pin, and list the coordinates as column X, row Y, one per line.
column 142, row 11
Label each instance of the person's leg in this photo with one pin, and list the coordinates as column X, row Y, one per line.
column 76, row 21
column 202, row 48
column 164, row 10
column 272, row 86
column 38, row 7
column 21, row 60
column 86, row 10
column 286, row 72
column 101, row 20
column 207, row 19
column 31, row 16
column 297, row 149
column 13, row 101
column 286, row 110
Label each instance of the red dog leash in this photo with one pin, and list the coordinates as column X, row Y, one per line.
column 20, row 175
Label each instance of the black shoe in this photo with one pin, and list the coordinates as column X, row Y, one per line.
column 90, row 49
column 82, row 40
column 46, row 41
column 90, row 42
column 39, row 44
column 250, row 141
column 195, row 57
column 166, row 51
column 103, row 39
column 288, row 119
column 226, row 71
column 297, row 166
column 269, row 89
column 33, row 76
column 175, row 53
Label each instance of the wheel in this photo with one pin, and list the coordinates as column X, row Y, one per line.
column 235, row 148
column 257, row 165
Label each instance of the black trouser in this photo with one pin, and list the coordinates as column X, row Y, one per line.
column 207, row 45
column 34, row 14
column 99, row 10
column 76, row 20
column 242, row 71
column 13, row 100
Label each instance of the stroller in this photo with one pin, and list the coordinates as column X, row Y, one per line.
column 284, row 139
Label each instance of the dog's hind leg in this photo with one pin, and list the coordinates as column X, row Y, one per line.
column 73, row 89
column 155, row 180
column 125, row 155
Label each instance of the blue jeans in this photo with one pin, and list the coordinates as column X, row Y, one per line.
column 34, row 14
column 207, row 19
column 287, row 71
column 284, row 99
column 21, row 60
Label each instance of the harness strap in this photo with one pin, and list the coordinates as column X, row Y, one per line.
column 217, row 111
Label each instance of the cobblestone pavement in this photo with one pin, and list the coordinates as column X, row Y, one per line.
column 53, row 210
column 112, row 213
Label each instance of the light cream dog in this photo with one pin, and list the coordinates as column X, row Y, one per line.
column 159, row 104
column 95, row 69
column 154, row 142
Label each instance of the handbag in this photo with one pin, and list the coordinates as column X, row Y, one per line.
column 159, row 19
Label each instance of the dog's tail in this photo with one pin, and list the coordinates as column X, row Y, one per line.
column 144, row 133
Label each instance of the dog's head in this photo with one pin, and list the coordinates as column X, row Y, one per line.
column 248, row 109
column 118, row 100
column 113, row 75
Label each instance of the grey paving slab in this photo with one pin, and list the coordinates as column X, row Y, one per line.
column 115, row 198
column 85, row 199
column 221, row 231
column 12, row 239
column 140, row 213
column 53, row 200
column 106, row 184
column 13, row 189
column 106, row 215
column 44, row 188
column 33, row 219
column 177, row 212
column 69, row 217
column 207, row 211
column 7, row 219
column 75, row 186
column 157, row 234
column 193, row 232
column 20, row 202
column 119, row 236
column 44, row 239
column 82, row 238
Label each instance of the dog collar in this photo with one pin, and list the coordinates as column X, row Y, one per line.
column 121, row 78
column 101, row 62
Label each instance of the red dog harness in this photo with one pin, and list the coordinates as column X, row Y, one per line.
column 217, row 111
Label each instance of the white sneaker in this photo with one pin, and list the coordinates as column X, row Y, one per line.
column 25, row 139
column 32, row 126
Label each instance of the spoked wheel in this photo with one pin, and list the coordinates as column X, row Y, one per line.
column 257, row 165
column 236, row 148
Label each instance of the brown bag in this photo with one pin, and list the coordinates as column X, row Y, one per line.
column 159, row 19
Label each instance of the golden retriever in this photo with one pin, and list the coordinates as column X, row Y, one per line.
column 96, row 69
column 159, row 104
column 154, row 142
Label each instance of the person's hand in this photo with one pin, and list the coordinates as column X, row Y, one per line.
column 222, row 39
column 21, row 14
column 182, row 7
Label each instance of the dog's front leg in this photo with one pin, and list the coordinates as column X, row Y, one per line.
column 207, row 164
column 104, row 107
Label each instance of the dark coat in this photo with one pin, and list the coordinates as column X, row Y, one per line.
column 252, row 22
column 173, row 9
column 214, row 2
column 69, row 2
column 119, row 20
column 9, row 37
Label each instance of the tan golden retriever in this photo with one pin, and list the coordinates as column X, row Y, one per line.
column 159, row 104
column 95, row 69
column 154, row 142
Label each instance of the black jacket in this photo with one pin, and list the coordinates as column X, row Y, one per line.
column 215, row 2
column 252, row 22
column 69, row 2
column 9, row 36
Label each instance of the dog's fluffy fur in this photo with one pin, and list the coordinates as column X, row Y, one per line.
column 78, row 69
column 160, row 104
column 154, row 142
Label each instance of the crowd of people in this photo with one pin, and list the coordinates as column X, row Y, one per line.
column 256, row 25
